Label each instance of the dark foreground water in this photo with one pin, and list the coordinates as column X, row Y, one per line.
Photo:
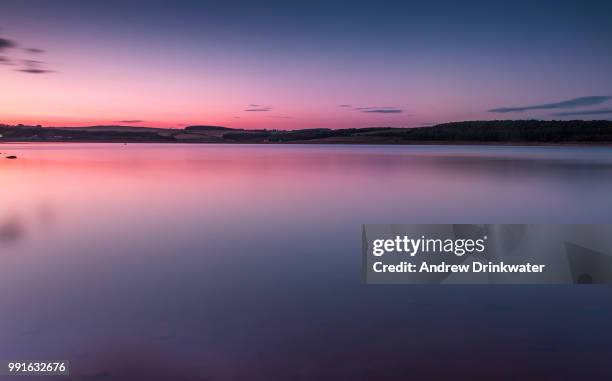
column 211, row 262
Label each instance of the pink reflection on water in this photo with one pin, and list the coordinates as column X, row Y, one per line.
column 165, row 246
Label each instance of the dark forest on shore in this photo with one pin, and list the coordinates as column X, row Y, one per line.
column 498, row 132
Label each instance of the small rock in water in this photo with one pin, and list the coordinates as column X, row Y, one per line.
column 11, row 157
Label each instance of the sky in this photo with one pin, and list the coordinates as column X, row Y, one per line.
column 311, row 64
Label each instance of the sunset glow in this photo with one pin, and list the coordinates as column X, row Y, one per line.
column 277, row 66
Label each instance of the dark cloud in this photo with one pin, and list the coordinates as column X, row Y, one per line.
column 380, row 110
column 129, row 121
column 375, row 110
column 257, row 108
column 34, row 50
column 35, row 71
column 384, row 111
column 585, row 112
column 7, row 44
column 28, row 66
column 572, row 103
column 34, row 67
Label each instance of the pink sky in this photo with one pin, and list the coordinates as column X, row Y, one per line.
column 199, row 63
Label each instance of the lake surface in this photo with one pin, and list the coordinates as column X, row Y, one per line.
column 243, row 262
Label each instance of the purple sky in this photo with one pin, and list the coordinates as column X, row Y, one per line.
column 316, row 64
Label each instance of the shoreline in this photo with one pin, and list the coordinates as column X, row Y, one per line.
column 329, row 143
column 499, row 132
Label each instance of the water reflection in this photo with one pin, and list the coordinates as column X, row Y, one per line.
column 243, row 262
column 11, row 230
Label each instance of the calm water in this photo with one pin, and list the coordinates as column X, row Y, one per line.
column 218, row 262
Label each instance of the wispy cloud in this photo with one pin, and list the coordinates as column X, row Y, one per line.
column 380, row 110
column 5, row 61
column 34, row 50
column 34, row 67
column 257, row 108
column 280, row 117
column 572, row 103
column 35, row 71
column 27, row 66
column 374, row 109
column 584, row 112
column 129, row 121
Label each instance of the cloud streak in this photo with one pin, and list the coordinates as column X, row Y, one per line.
column 380, row 110
column 584, row 112
column 572, row 103
column 34, row 67
column 27, row 65
column 34, row 50
column 35, row 71
column 257, row 108
column 129, row 121
column 5, row 61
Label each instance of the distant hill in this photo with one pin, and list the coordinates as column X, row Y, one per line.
column 516, row 131
column 114, row 128
column 207, row 128
column 469, row 132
